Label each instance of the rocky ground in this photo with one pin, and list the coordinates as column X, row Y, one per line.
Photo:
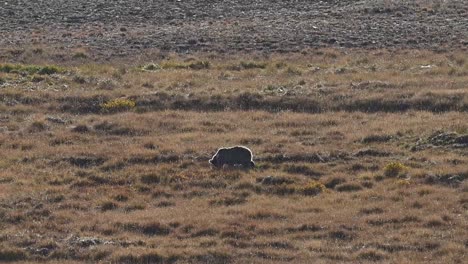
column 126, row 27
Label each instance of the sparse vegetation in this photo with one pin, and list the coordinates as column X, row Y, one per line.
column 30, row 69
column 119, row 104
column 395, row 169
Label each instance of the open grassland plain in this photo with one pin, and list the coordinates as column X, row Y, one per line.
column 361, row 156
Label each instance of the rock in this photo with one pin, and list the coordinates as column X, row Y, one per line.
column 89, row 241
column 274, row 180
column 462, row 139
column 56, row 120
column 84, row 241
column 442, row 139
column 43, row 251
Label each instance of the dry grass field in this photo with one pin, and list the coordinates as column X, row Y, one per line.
column 361, row 156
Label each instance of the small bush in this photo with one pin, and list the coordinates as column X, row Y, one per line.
column 120, row 104
column 49, row 70
column 395, row 169
column 313, row 188
column 6, row 68
column 151, row 67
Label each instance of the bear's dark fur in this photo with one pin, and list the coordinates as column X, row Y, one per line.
column 238, row 155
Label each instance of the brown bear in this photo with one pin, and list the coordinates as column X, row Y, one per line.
column 238, row 155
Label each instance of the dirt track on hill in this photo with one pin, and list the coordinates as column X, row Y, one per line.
column 126, row 27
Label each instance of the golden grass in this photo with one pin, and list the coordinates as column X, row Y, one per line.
column 343, row 182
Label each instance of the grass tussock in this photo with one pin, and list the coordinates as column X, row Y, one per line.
column 12, row 255
column 31, row 69
column 313, row 188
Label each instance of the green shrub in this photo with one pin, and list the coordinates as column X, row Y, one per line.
column 119, row 104
column 395, row 169
column 49, row 70
column 6, row 68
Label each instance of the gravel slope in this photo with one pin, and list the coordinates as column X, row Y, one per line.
column 126, row 26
